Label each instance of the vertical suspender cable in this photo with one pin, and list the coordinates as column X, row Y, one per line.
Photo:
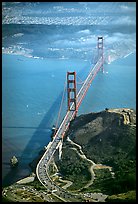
column 61, row 105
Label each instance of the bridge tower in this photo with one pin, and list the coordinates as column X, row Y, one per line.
column 71, row 91
column 100, row 50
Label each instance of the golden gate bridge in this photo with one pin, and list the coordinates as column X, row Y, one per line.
column 74, row 100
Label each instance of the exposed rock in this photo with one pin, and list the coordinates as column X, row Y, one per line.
column 14, row 161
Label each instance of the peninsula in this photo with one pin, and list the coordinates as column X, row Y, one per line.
column 98, row 158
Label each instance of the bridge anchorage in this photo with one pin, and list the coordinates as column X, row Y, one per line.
column 74, row 100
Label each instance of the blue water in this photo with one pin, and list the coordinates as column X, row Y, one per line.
column 116, row 88
column 32, row 90
column 40, row 43
column 31, row 96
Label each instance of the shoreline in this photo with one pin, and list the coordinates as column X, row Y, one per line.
column 29, row 56
column 32, row 184
column 122, row 111
column 81, row 108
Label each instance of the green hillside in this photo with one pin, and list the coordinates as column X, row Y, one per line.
column 107, row 138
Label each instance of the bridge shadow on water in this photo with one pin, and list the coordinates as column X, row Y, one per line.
column 39, row 139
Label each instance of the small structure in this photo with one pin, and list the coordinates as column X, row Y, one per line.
column 54, row 130
column 14, row 161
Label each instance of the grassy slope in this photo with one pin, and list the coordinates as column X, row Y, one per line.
column 104, row 139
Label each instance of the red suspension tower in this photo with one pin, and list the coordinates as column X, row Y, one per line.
column 100, row 50
column 71, row 91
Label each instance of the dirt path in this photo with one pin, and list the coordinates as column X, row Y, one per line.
column 82, row 155
column 68, row 183
column 100, row 197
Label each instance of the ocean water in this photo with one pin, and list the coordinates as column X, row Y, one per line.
column 41, row 42
column 116, row 88
column 32, row 90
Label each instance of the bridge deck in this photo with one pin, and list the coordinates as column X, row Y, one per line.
column 43, row 164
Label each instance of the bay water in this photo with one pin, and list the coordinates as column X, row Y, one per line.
column 41, row 41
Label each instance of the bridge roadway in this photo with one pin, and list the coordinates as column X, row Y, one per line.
column 43, row 165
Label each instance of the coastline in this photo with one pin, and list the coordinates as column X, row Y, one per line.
column 30, row 180
column 86, row 107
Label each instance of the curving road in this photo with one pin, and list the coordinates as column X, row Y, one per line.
column 43, row 165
